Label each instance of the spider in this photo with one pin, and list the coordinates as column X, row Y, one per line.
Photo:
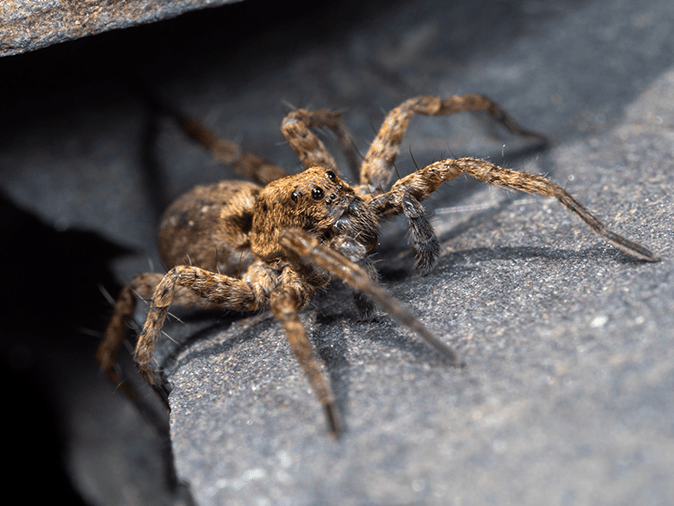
column 245, row 246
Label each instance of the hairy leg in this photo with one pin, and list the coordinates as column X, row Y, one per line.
column 142, row 285
column 286, row 301
column 309, row 247
column 357, row 253
column 215, row 290
column 106, row 356
column 424, row 182
column 246, row 164
column 422, row 236
column 296, row 127
column 379, row 160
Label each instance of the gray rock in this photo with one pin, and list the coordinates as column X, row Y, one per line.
column 566, row 396
column 27, row 26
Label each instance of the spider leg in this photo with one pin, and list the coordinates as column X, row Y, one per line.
column 246, row 164
column 106, row 356
column 108, row 350
column 378, row 163
column 337, row 265
column 216, row 290
column 424, row 241
column 286, row 301
column 296, row 128
column 424, row 182
column 357, row 253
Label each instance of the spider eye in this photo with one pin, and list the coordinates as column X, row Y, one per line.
column 317, row 193
column 295, row 196
column 331, row 175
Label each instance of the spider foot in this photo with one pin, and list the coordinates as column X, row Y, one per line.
column 163, row 390
column 161, row 386
column 427, row 257
column 334, row 420
column 364, row 305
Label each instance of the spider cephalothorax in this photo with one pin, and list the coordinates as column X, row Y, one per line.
column 316, row 201
column 240, row 246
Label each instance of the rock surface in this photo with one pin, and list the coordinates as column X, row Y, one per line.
column 26, row 25
column 566, row 396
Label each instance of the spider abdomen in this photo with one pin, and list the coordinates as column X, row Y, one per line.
column 209, row 227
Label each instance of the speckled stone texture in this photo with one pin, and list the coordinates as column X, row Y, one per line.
column 27, row 25
column 566, row 398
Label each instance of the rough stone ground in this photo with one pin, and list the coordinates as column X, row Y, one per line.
column 26, row 25
column 566, row 396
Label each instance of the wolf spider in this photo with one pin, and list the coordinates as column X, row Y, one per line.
column 243, row 246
